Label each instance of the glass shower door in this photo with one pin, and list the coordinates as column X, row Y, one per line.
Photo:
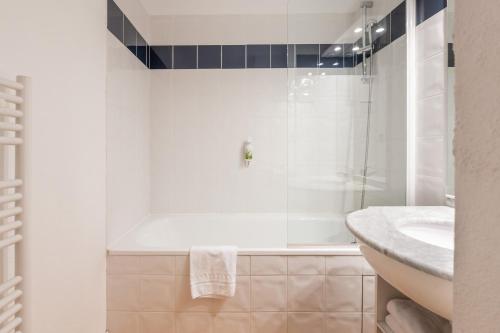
column 342, row 140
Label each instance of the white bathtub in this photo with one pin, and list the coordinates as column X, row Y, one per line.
column 254, row 234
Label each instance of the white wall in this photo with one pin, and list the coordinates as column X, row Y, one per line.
column 477, row 269
column 127, row 139
column 431, row 111
column 61, row 45
column 200, row 120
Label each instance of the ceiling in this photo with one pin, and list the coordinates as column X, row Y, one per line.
column 248, row 7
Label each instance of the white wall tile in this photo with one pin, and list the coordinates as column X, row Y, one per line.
column 431, row 111
column 429, row 36
column 227, row 107
column 127, row 139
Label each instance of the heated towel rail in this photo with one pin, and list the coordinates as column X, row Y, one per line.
column 14, row 107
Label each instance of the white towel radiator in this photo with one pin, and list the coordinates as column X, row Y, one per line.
column 14, row 108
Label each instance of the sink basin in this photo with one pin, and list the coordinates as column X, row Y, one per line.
column 411, row 248
column 437, row 233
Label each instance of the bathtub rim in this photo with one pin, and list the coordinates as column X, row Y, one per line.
column 331, row 250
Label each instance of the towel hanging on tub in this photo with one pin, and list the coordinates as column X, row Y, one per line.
column 213, row 271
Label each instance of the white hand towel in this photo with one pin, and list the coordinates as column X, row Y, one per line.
column 413, row 318
column 213, row 271
column 393, row 324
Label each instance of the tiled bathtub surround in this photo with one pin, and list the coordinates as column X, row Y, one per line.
column 274, row 294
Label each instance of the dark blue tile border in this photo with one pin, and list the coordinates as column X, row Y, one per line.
column 142, row 50
column 381, row 32
column 307, row 55
column 185, row 57
column 279, row 56
column 129, row 35
column 258, row 56
column 331, row 56
column 209, row 56
column 233, row 56
column 263, row 55
column 160, row 57
column 398, row 21
column 425, row 9
column 115, row 20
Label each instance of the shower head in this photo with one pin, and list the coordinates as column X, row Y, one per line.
column 366, row 4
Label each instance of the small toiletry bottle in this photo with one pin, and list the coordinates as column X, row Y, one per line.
column 248, row 151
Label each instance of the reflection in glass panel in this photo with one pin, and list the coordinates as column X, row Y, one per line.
column 346, row 115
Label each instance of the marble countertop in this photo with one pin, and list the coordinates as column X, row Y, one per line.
column 377, row 228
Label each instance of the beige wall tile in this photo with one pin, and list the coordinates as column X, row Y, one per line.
column 306, row 293
column 269, row 322
column 269, row 293
column 343, row 322
column 268, row 265
column 241, row 302
column 243, row 265
column 163, row 265
column 306, row 322
column 182, row 265
column 369, row 294
column 157, row 322
column 157, row 293
column 305, row 265
column 123, row 322
column 232, row 323
column 344, row 265
column 369, row 323
column 367, row 268
column 123, row 293
column 122, row 265
column 135, row 265
column 343, row 293
column 194, row 323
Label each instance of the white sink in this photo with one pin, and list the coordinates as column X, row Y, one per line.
column 437, row 233
column 412, row 249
